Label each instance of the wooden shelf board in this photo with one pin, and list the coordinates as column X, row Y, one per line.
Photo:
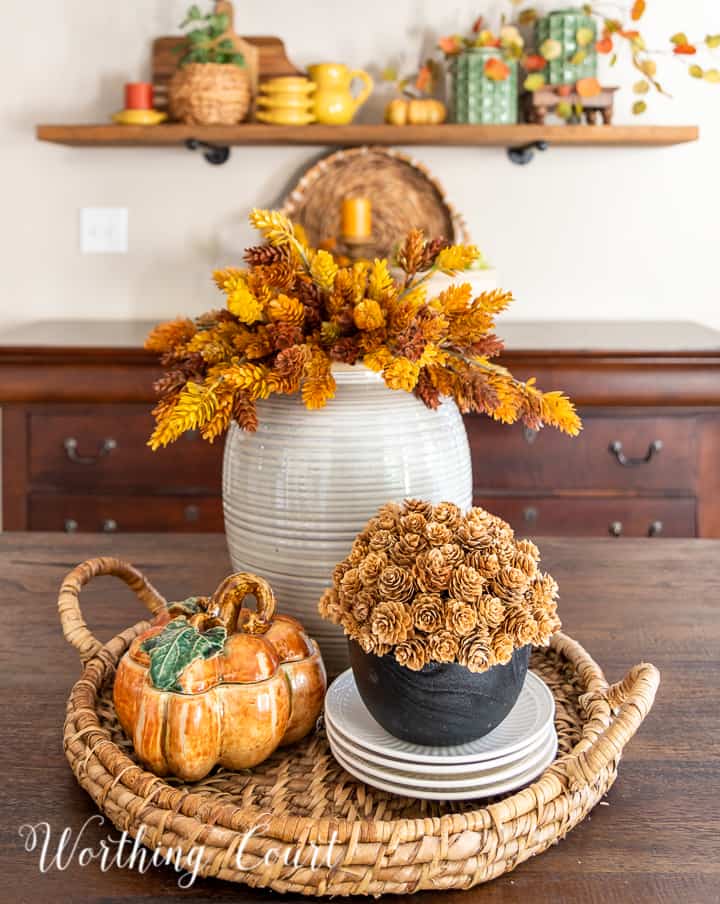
column 355, row 135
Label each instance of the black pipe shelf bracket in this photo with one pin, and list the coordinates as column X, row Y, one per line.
column 216, row 154
column 524, row 154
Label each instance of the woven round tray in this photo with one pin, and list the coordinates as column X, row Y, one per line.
column 281, row 823
column 402, row 192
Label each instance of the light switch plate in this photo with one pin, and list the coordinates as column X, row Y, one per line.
column 104, row 230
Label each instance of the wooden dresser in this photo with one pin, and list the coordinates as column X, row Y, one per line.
column 76, row 399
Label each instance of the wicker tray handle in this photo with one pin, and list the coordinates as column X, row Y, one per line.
column 632, row 698
column 73, row 624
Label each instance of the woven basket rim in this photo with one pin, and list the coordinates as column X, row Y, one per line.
column 552, row 804
column 595, row 682
column 299, row 191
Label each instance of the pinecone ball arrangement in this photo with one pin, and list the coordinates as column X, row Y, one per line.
column 440, row 610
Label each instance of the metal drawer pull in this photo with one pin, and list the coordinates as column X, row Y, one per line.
column 615, row 528
column 71, row 525
column 655, row 529
column 530, row 514
column 109, row 526
column 192, row 513
column 71, row 445
column 617, row 450
column 530, row 435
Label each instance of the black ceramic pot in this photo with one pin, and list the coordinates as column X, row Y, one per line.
column 443, row 703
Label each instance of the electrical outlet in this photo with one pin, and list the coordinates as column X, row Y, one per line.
column 104, row 230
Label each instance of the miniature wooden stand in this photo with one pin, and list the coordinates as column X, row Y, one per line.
column 537, row 104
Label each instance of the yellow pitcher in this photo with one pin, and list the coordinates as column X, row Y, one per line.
column 334, row 102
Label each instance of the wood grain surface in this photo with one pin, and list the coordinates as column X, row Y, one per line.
column 256, row 133
column 655, row 841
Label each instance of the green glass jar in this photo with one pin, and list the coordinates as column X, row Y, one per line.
column 479, row 99
column 563, row 26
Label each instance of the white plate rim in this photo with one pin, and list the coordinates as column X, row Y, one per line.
column 442, row 767
column 419, row 757
column 472, row 782
column 519, row 781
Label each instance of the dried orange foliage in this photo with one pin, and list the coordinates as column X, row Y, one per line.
column 293, row 311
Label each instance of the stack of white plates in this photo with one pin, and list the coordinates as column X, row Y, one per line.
column 511, row 756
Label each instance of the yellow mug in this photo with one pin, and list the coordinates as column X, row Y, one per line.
column 334, row 103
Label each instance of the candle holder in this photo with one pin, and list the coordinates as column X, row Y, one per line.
column 357, row 248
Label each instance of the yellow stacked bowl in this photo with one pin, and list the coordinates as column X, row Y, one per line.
column 286, row 101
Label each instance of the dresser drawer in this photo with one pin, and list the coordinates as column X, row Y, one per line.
column 638, row 453
column 119, row 514
column 108, row 450
column 588, row 516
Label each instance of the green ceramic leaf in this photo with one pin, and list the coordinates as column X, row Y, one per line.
column 178, row 645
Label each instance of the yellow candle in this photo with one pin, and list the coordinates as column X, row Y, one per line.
column 356, row 218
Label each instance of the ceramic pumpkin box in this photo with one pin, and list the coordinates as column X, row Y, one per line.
column 215, row 683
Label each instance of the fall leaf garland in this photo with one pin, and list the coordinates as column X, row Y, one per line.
column 614, row 34
column 293, row 311
column 431, row 585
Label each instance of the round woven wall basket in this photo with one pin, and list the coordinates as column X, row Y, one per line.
column 209, row 94
column 402, row 192
column 302, row 803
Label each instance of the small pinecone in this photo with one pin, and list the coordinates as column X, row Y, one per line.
column 284, row 335
column 411, row 343
column 309, row 294
column 211, row 318
column 245, row 413
column 426, row 392
column 262, row 255
column 431, row 251
column 169, row 383
column 490, row 346
column 484, row 395
column 410, row 255
column 346, row 350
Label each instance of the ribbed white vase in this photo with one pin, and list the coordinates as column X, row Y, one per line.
column 298, row 491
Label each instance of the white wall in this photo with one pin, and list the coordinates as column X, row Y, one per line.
column 580, row 233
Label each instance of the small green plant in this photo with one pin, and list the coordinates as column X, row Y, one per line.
column 207, row 40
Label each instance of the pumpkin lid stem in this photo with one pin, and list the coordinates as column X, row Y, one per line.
column 226, row 603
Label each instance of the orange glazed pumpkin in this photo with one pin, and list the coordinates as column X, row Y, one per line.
column 213, row 683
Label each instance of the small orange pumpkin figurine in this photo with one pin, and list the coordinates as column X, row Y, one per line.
column 214, row 683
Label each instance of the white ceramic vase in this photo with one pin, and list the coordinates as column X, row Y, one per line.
column 297, row 492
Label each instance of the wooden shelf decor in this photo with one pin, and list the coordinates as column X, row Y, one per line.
column 216, row 141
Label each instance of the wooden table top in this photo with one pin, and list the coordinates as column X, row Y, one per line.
column 624, row 600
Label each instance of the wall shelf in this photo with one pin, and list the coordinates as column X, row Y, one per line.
column 216, row 140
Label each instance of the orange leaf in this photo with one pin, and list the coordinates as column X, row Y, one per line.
column 684, row 49
column 449, row 44
column 637, row 10
column 496, row 70
column 604, row 45
column 423, row 78
column 630, row 34
column 588, row 87
column 533, row 63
